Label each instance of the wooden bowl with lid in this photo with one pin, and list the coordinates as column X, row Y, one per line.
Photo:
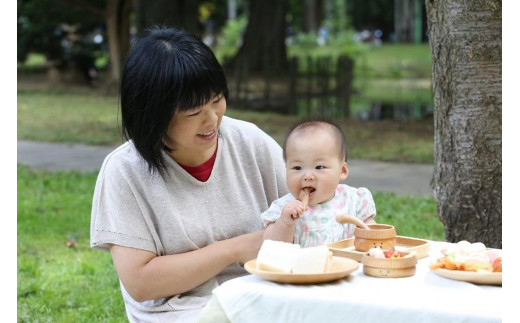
column 370, row 236
column 390, row 267
column 377, row 236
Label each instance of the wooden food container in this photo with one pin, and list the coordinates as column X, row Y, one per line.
column 390, row 267
column 345, row 248
column 377, row 236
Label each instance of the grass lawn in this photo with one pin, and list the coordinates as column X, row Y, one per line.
column 67, row 115
column 57, row 283
column 403, row 61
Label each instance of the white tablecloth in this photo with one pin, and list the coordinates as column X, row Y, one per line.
column 424, row 297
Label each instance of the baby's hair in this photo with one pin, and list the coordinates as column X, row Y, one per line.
column 314, row 122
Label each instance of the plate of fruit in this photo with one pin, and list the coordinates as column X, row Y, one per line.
column 470, row 262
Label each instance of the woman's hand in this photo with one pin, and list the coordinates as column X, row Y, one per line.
column 147, row 276
column 248, row 245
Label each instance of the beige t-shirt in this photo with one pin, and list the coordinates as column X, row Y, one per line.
column 175, row 214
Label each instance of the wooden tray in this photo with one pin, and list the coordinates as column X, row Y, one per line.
column 341, row 268
column 345, row 248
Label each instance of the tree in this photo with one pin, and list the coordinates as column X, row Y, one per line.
column 264, row 39
column 117, row 20
column 171, row 13
column 312, row 15
column 407, row 20
column 41, row 29
column 466, row 45
column 118, row 33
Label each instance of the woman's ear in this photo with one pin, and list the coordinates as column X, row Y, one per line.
column 344, row 171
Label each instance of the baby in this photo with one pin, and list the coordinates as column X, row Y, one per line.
column 315, row 154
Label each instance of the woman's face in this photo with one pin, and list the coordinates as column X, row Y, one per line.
column 312, row 160
column 193, row 134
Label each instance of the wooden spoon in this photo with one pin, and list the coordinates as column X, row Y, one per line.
column 345, row 218
column 305, row 198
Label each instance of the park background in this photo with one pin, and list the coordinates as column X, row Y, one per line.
column 390, row 118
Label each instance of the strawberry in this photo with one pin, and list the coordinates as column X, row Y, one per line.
column 497, row 264
column 392, row 254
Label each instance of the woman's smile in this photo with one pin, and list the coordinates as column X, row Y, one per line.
column 208, row 135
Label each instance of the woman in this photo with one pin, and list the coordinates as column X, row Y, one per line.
column 178, row 204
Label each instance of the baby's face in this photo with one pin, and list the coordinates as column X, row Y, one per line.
column 312, row 160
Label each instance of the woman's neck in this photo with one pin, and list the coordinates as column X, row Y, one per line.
column 193, row 158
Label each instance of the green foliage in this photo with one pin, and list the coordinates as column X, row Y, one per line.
column 339, row 21
column 230, row 38
column 306, row 40
column 34, row 60
column 342, row 43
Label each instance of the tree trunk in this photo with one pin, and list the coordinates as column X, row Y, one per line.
column 264, row 39
column 125, row 8
column 171, row 13
column 114, row 48
column 404, row 20
column 232, row 9
column 466, row 46
column 309, row 16
column 118, row 34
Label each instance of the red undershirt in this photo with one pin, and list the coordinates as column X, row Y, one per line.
column 201, row 172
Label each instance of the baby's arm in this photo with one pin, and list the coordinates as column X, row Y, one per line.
column 283, row 228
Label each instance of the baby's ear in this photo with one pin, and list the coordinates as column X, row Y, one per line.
column 344, row 171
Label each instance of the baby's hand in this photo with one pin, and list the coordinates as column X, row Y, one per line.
column 293, row 210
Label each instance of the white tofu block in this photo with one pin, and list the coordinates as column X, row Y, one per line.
column 311, row 260
column 276, row 256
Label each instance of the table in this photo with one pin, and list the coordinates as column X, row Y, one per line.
column 424, row 297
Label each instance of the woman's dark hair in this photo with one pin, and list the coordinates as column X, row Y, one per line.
column 318, row 121
column 166, row 70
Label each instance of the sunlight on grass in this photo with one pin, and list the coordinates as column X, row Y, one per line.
column 74, row 116
column 396, row 61
column 57, row 283
column 34, row 60
column 411, row 216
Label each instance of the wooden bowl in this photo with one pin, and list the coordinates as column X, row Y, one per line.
column 377, row 236
column 390, row 267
